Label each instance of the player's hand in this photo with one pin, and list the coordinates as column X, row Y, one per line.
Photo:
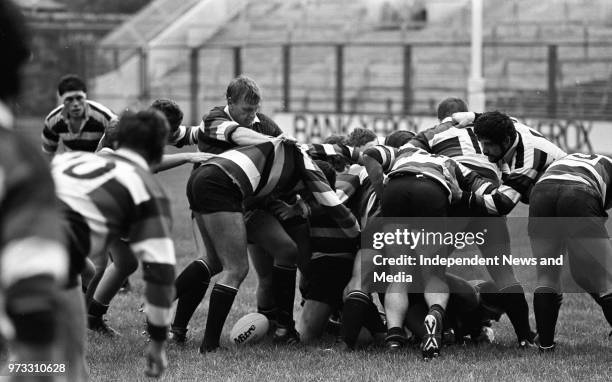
column 156, row 358
column 287, row 138
column 283, row 210
column 464, row 118
column 199, row 157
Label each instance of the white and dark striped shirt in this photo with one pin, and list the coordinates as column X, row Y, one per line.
column 97, row 119
column 461, row 144
column 110, row 195
column 523, row 164
column 591, row 169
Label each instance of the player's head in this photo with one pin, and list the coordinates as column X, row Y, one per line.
column 496, row 133
column 328, row 171
column 172, row 111
column 361, row 138
column 451, row 105
column 338, row 163
column 14, row 45
column 145, row 132
column 73, row 93
column 398, row 138
column 243, row 99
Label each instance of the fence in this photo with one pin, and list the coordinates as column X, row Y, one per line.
column 534, row 80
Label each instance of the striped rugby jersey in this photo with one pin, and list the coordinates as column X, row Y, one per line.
column 215, row 131
column 591, row 169
column 461, row 144
column 278, row 166
column 413, row 160
column 111, row 195
column 355, row 190
column 56, row 129
column 523, row 164
column 184, row 136
column 31, row 241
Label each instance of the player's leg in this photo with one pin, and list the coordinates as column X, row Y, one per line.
column 327, row 277
column 229, row 233
column 396, row 306
column 589, row 248
column 358, row 309
column 72, row 333
column 192, row 283
column 513, row 295
column 266, row 231
column 124, row 264
column 263, row 263
column 546, row 242
column 217, row 201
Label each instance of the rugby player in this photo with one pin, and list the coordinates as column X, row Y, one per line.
column 239, row 123
column 567, row 212
column 216, row 192
column 33, row 255
column 79, row 123
column 420, row 185
column 111, row 195
column 462, row 145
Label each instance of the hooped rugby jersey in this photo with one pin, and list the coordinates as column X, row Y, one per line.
column 279, row 166
column 31, row 240
column 591, row 169
column 110, row 195
column 97, row 119
column 461, row 144
column 215, row 131
column 184, row 136
column 524, row 163
column 444, row 170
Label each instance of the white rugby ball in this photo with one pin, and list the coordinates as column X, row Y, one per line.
column 249, row 329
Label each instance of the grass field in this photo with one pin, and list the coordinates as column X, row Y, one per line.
column 584, row 351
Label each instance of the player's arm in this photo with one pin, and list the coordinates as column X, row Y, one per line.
column 466, row 184
column 324, row 151
column 377, row 161
column 150, row 240
column 501, row 200
column 226, row 130
column 186, row 136
column 50, row 140
column 174, row 160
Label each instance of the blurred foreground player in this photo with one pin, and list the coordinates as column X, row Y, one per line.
column 568, row 212
column 111, row 195
column 32, row 254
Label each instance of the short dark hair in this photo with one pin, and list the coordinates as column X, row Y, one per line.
column 171, row 110
column 494, row 126
column 398, row 138
column 451, row 105
column 243, row 87
column 15, row 48
column 328, row 171
column 360, row 136
column 145, row 132
column 70, row 82
column 339, row 163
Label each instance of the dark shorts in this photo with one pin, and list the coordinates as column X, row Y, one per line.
column 326, row 279
column 408, row 195
column 566, row 209
column 210, row 189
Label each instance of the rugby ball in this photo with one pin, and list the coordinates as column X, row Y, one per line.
column 250, row 329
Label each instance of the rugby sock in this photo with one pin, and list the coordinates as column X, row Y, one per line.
column 283, row 280
column 97, row 309
column 353, row 316
column 373, row 322
column 270, row 313
column 606, row 305
column 221, row 300
column 515, row 305
column 191, row 287
column 546, row 304
column 439, row 309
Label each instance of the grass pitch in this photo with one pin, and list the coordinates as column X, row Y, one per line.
column 584, row 351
